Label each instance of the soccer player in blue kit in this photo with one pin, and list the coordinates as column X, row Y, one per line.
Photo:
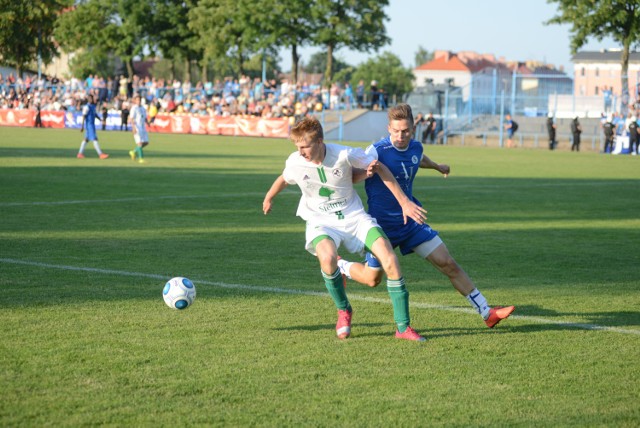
column 404, row 156
column 89, row 115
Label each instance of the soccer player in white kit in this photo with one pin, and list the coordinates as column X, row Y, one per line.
column 335, row 216
column 138, row 120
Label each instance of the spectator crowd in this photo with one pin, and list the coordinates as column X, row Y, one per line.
column 227, row 97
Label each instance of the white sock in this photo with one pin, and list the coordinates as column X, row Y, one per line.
column 479, row 303
column 345, row 267
column 83, row 144
column 97, row 147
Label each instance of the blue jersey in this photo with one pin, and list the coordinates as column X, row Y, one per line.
column 89, row 112
column 384, row 207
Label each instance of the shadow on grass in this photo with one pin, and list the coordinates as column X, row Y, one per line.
column 605, row 318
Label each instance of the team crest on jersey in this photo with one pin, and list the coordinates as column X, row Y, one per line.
column 414, row 159
column 337, row 173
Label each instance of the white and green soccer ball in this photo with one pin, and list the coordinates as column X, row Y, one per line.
column 179, row 293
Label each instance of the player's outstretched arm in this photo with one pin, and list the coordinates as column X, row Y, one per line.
column 278, row 186
column 409, row 208
column 359, row 175
column 426, row 162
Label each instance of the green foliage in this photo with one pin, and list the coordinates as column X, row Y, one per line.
column 170, row 34
column 26, row 28
column 388, row 70
column 318, row 63
column 618, row 19
column 88, row 341
column 422, row 56
column 93, row 62
column 228, row 31
column 356, row 24
column 117, row 26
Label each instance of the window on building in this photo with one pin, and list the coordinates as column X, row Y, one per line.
column 597, row 72
column 597, row 91
column 582, row 71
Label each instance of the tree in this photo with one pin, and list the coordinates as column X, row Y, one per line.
column 289, row 25
column 26, row 30
column 422, row 56
column 318, row 64
column 355, row 24
column 99, row 26
column 618, row 19
column 171, row 35
column 388, row 71
column 230, row 31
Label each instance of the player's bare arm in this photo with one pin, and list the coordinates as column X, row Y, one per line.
column 359, row 175
column 409, row 208
column 278, row 186
column 426, row 162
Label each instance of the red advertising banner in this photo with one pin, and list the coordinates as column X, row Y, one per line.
column 216, row 125
column 240, row 126
column 27, row 118
column 10, row 117
column 52, row 119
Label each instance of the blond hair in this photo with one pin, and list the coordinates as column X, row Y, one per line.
column 307, row 129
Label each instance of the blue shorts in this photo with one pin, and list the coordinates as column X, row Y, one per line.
column 410, row 235
column 90, row 133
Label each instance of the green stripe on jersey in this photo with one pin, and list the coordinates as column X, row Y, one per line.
column 322, row 174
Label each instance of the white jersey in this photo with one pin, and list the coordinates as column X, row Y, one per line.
column 327, row 189
column 139, row 117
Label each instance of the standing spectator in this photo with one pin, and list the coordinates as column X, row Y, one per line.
column 122, row 86
column 360, row 94
column 609, row 130
column 551, row 130
column 104, row 116
column 634, row 141
column 429, row 133
column 38, row 115
column 348, row 96
column 375, row 95
column 576, row 130
column 511, row 127
column 124, row 114
column 89, row 115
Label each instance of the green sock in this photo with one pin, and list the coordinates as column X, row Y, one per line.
column 139, row 152
column 336, row 290
column 400, row 300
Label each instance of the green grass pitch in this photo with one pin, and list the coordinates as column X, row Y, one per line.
column 87, row 245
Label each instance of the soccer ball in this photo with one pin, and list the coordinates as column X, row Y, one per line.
column 179, row 293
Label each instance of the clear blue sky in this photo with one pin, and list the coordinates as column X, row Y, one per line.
column 513, row 29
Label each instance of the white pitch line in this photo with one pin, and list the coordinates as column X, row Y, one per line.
column 295, row 192
column 356, row 297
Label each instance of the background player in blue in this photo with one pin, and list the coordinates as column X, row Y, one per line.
column 403, row 156
column 89, row 115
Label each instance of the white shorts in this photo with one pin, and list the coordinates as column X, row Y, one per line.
column 426, row 248
column 350, row 233
column 141, row 137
